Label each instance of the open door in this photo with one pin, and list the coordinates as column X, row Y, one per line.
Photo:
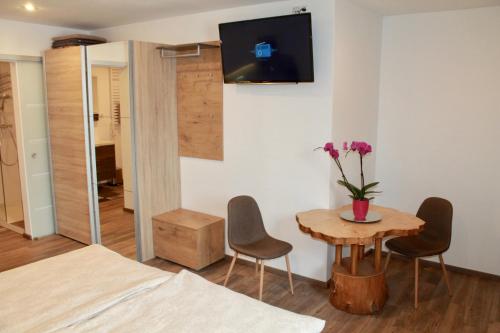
column 32, row 144
column 69, row 142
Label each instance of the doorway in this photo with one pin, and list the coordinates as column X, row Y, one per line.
column 109, row 102
column 11, row 202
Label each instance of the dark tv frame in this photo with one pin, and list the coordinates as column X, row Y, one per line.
column 276, row 81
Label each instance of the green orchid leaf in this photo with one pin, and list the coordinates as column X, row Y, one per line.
column 368, row 186
column 356, row 192
column 343, row 183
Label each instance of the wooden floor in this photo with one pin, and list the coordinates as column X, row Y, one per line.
column 19, row 224
column 474, row 307
column 15, row 250
column 117, row 227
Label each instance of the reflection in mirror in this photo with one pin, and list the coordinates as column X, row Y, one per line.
column 11, row 200
column 108, row 68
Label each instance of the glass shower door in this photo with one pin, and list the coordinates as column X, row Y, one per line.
column 11, row 207
column 3, row 211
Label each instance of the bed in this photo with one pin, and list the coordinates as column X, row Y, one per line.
column 94, row 289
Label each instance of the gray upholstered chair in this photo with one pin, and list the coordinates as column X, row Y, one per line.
column 247, row 235
column 434, row 240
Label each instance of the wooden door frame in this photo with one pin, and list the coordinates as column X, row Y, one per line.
column 133, row 164
column 88, row 124
column 95, row 221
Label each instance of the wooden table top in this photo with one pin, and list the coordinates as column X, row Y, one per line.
column 326, row 224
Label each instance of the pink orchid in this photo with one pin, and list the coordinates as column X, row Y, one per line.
column 328, row 146
column 361, row 147
column 334, row 153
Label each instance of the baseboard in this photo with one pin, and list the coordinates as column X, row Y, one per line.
column 451, row 268
column 425, row 262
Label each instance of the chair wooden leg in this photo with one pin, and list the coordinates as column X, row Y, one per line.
column 416, row 282
column 256, row 265
column 445, row 274
column 261, row 279
column 387, row 259
column 289, row 273
column 231, row 267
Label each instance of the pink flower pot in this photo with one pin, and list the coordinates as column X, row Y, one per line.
column 360, row 209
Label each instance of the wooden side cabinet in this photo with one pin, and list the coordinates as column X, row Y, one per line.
column 189, row 238
column 105, row 161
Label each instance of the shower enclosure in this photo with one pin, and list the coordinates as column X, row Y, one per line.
column 11, row 205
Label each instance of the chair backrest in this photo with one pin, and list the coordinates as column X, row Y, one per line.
column 245, row 223
column 438, row 215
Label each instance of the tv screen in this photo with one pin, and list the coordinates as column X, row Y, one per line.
column 274, row 49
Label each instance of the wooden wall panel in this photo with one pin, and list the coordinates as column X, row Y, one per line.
column 156, row 140
column 199, row 105
column 63, row 71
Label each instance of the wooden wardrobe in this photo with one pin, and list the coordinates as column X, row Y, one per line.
column 69, row 142
column 155, row 157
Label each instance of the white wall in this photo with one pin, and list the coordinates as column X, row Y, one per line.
column 355, row 88
column 439, row 124
column 358, row 38
column 269, row 132
column 19, row 38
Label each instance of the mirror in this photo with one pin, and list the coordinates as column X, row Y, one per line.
column 110, row 128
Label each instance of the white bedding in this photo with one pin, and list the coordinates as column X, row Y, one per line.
column 96, row 290
column 56, row 292
column 189, row 303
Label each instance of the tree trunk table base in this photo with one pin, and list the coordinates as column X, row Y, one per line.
column 364, row 293
column 357, row 284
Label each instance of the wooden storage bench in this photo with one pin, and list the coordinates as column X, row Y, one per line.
column 189, row 238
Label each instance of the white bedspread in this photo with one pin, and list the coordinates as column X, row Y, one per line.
column 96, row 290
column 53, row 293
column 189, row 303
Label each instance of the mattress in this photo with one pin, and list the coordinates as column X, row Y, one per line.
column 96, row 290
column 50, row 294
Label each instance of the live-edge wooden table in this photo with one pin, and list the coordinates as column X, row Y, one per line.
column 357, row 285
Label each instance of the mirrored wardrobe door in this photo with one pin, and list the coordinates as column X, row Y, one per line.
column 111, row 146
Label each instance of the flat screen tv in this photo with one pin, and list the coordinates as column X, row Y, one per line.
column 269, row 50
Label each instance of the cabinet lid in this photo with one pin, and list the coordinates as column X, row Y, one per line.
column 187, row 218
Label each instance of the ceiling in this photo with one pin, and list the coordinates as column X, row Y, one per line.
column 95, row 14
column 399, row 7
